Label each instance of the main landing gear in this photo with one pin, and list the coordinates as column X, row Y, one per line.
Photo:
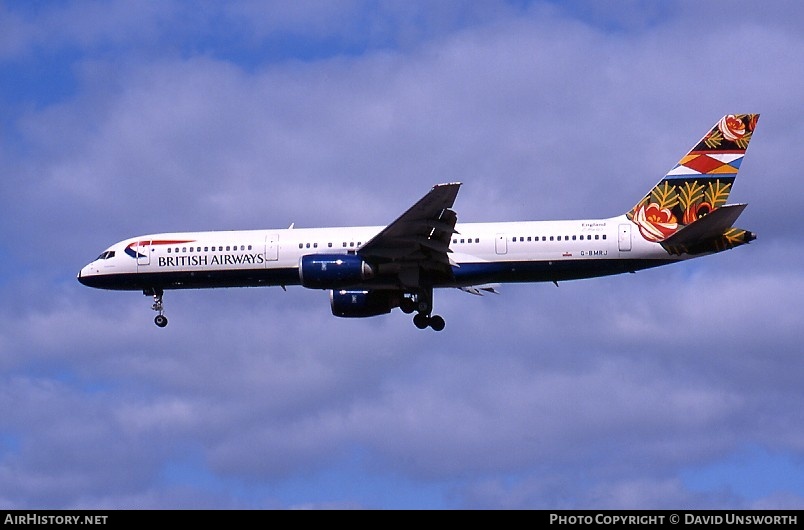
column 422, row 320
column 160, row 319
column 422, row 303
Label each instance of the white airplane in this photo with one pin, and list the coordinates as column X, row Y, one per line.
column 369, row 271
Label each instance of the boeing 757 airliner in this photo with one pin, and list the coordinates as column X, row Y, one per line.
column 369, row 271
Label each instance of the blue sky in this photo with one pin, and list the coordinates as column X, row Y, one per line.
column 672, row 388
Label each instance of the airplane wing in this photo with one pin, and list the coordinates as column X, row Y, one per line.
column 418, row 241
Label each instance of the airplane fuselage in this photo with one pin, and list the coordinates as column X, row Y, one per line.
column 482, row 253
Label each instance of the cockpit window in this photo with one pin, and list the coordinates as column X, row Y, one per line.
column 106, row 255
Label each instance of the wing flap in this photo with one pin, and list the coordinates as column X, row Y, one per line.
column 435, row 245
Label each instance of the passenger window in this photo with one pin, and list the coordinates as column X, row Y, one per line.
column 329, row 245
column 477, row 240
column 315, row 245
column 551, row 238
column 597, row 236
column 604, row 236
column 168, row 250
column 301, row 245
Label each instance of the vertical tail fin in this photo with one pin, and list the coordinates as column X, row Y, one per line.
column 699, row 184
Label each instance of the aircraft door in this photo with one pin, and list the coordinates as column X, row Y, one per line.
column 143, row 250
column 624, row 239
column 271, row 248
column 501, row 244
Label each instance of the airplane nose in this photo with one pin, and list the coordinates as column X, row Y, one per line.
column 84, row 280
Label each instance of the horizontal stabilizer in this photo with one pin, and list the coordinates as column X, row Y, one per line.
column 480, row 289
column 711, row 226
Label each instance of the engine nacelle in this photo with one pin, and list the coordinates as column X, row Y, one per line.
column 331, row 271
column 358, row 304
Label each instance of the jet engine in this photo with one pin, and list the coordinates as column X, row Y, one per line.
column 358, row 304
column 331, row 271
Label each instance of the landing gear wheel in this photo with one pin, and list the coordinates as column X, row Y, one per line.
column 421, row 321
column 407, row 305
column 160, row 319
column 437, row 323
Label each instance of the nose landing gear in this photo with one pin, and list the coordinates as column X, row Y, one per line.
column 160, row 319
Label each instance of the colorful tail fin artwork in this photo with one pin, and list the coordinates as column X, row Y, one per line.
column 698, row 186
